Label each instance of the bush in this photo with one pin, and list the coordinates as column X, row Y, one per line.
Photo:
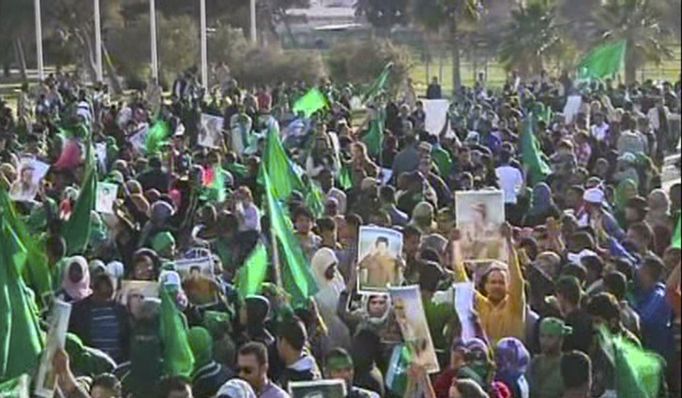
column 361, row 62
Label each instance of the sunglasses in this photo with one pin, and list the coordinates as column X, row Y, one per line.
column 245, row 370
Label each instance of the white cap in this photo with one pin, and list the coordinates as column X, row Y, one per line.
column 594, row 195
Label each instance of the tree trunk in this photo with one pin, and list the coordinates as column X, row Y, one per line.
column 6, row 69
column 21, row 58
column 456, row 62
column 630, row 72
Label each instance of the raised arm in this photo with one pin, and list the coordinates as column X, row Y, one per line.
column 516, row 283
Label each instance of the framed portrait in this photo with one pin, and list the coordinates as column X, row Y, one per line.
column 318, row 389
column 380, row 265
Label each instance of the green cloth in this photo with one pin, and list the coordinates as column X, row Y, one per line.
column 314, row 199
column 157, row 136
column 603, row 61
column 439, row 317
column 238, row 170
column 379, row 85
column 533, row 161
column 87, row 361
column 396, row 375
column 251, row 276
column 76, row 230
column 177, row 354
column 283, row 177
column 162, row 242
column 375, row 136
column 15, row 388
column 216, row 190
column 620, row 197
column 201, row 342
column 295, row 270
column 443, row 161
column 20, row 338
column 345, row 179
column 310, row 103
column 555, row 327
column 677, row 236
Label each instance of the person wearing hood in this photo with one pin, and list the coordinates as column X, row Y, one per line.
column 512, row 360
column 75, row 281
column 164, row 245
column 469, row 359
column 339, row 366
column 292, row 341
column 660, row 219
column 208, row 375
column 252, row 317
column 542, row 206
column 236, row 388
column 331, row 284
column 625, row 190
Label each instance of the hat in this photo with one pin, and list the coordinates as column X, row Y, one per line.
column 594, row 196
column 236, row 388
column 170, row 278
column 368, row 183
column 162, row 242
column 555, row 327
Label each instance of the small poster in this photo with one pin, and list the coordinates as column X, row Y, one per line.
column 58, row 322
column 480, row 215
column 573, row 104
column 464, row 305
column 409, row 313
column 106, row 197
column 139, row 138
column 318, row 389
column 380, row 265
column 134, row 292
column 210, row 131
column 436, row 115
column 27, row 184
column 194, row 267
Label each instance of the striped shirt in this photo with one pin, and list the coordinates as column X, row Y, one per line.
column 105, row 331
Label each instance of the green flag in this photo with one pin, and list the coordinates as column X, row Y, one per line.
column 375, row 136
column 538, row 169
column 15, row 388
column 314, row 199
column 178, row 359
column 677, row 236
column 295, row 270
column 251, row 276
column 602, row 62
column 379, row 84
column 76, row 230
column 396, row 376
column 345, row 179
column 310, row 103
column 20, row 339
column 157, row 136
column 283, row 177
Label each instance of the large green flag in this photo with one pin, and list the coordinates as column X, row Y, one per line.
column 310, row 103
column 538, row 169
column 677, row 236
column 283, row 177
column 157, row 136
column 374, row 138
column 315, row 199
column 297, row 279
column 379, row 84
column 76, row 230
column 345, row 179
column 20, row 338
column 397, row 373
column 178, row 359
column 604, row 61
column 251, row 276
column 15, row 388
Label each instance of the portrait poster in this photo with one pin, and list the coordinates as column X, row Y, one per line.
column 380, row 265
column 193, row 267
column 138, row 139
column 480, row 215
column 106, row 196
column 26, row 186
column 409, row 313
column 210, row 131
column 58, row 324
column 39, row 168
column 318, row 389
column 134, row 292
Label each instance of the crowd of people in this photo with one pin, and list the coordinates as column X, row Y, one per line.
column 590, row 242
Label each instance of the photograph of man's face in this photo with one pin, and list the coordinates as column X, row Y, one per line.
column 27, row 175
column 381, row 246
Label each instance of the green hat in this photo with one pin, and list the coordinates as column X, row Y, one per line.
column 555, row 327
column 201, row 343
column 162, row 242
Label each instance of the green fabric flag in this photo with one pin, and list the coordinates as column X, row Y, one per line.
column 238, row 170
column 76, row 230
column 677, row 236
column 604, row 61
column 345, row 179
column 297, row 279
column 443, row 161
column 20, row 337
column 315, row 199
column 538, row 170
column 15, row 388
column 251, row 276
column 379, row 84
column 283, row 177
column 37, row 271
column 310, row 103
column 215, row 186
column 178, row 359
column 375, row 136
column 157, row 136
column 396, row 376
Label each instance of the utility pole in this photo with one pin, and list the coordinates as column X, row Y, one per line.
column 98, row 42
column 39, row 39
column 152, row 27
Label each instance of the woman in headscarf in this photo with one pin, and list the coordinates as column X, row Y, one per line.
column 330, row 282
column 660, row 220
column 626, row 190
column 208, row 375
column 512, row 360
column 252, row 316
column 75, row 281
column 542, row 206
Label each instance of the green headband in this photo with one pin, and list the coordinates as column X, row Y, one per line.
column 339, row 362
column 555, row 327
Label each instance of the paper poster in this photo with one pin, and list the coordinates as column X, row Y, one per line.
column 480, row 215
column 201, row 290
column 133, row 292
column 193, row 267
column 210, row 131
column 106, row 197
column 58, row 322
column 464, row 306
column 101, row 154
column 139, row 138
column 379, row 259
column 409, row 313
column 436, row 115
column 27, row 185
column 39, row 169
column 318, row 389
column 670, row 172
column 572, row 108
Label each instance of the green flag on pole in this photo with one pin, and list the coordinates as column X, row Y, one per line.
column 310, row 103
column 157, row 136
column 178, row 359
column 603, row 61
column 375, row 136
column 251, row 276
column 345, row 179
column 314, row 199
column 396, row 376
column 283, row 177
column 677, row 236
column 538, row 169
column 76, row 230
column 379, row 84
column 297, row 279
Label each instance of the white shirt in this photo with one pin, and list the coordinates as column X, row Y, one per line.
column 600, row 132
column 249, row 217
column 511, row 181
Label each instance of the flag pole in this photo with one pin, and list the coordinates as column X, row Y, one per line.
column 276, row 264
column 152, row 28
column 98, row 41
column 39, row 39
column 254, row 32
column 204, row 53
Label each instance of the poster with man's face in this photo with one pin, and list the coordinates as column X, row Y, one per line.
column 379, row 259
column 210, row 131
column 106, row 196
column 409, row 314
column 318, row 389
column 133, row 293
column 480, row 215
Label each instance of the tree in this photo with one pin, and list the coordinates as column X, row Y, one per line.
column 383, row 14
column 16, row 28
column 451, row 15
column 531, row 36
column 638, row 22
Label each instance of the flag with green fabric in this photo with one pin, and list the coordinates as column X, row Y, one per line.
column 76, row 230
column 396, row 375
column 375, row 136
column 214, row 184
column 21, row 341
column 379, row 84
column 253, row 273
column 532, row 157
column 238, row 170
column 283, row 177
column 603, row 61
column 345, row 179
column 677, row 236
column 178, row 359
column 157, row 136
column 297, row 278
column 15, row 388
column 310, row 103
column 314, row 199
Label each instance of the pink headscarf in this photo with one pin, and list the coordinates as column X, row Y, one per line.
column 81, row 289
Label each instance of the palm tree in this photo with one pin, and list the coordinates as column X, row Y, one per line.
column 531, row 36
column 638, row 22
column 436, row 15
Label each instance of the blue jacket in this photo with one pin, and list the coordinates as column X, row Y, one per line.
column 656, row 319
